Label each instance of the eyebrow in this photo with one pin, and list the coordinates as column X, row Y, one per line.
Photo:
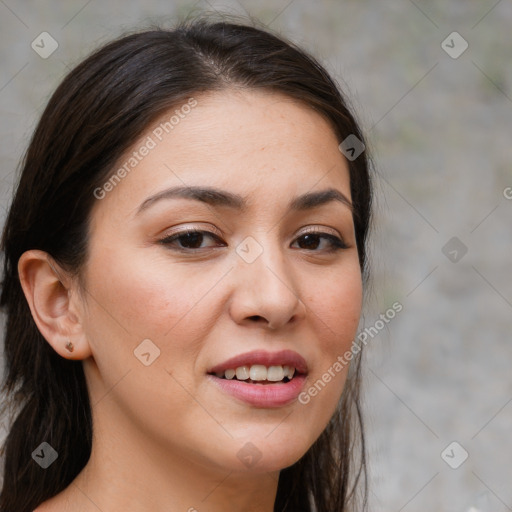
column 222, row 198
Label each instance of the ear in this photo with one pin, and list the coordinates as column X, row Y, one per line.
column 54, row 302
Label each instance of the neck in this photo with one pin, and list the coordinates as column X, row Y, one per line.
column 126, row 471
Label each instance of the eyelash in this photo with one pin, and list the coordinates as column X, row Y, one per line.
column 336, row 243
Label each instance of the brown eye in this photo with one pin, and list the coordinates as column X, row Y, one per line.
column 311, row 241
column 192, row 240
column 189, row 239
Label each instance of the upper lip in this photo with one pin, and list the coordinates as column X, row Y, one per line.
column 281, row 358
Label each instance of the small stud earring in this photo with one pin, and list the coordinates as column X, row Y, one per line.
column 69, row 346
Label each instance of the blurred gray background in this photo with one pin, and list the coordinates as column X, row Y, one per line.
column 438, row 116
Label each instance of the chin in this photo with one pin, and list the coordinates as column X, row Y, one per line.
column 269, row 452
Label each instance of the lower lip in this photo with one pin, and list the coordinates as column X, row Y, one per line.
column 263, row 395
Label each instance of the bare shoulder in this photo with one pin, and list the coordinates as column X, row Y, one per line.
column 52, row 505
column 65, row 501
column 46, row 507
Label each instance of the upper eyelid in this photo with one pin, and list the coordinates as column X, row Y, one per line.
column 320, row 229
column 217, row 232
column 186, row 229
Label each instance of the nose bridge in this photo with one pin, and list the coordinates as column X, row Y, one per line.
column 263, row 258
column 264, row 285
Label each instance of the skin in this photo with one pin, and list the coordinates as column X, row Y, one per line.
column 166, row 438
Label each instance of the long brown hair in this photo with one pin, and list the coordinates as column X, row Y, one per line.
column 98, row 111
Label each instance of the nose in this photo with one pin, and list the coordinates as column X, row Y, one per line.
column 265, row 291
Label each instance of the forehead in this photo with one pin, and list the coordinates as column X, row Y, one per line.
column 250, row 142
column 234, row 123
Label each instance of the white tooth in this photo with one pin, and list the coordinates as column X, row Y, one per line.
column 229, row 374
column 289, row 371
column 258, row 372
column 242, row 373
column 275, row 373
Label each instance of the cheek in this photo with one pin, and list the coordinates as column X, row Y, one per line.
column 140, row 298
column 335, row 312
column 150, row 297
column 336, row 308
column 134, row 299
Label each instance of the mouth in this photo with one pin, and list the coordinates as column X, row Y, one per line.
column 262, row 379
column 259, row 374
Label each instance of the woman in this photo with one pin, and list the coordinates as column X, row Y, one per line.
column 184, row 265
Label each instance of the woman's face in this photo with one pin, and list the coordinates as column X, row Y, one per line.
column 169, row 318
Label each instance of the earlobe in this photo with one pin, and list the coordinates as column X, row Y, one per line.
column 52, row 298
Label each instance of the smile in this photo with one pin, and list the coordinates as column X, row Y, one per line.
column 259, row 373
column 262, row 379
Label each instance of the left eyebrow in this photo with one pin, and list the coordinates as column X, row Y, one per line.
column 312, row 200
column 222, row 198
